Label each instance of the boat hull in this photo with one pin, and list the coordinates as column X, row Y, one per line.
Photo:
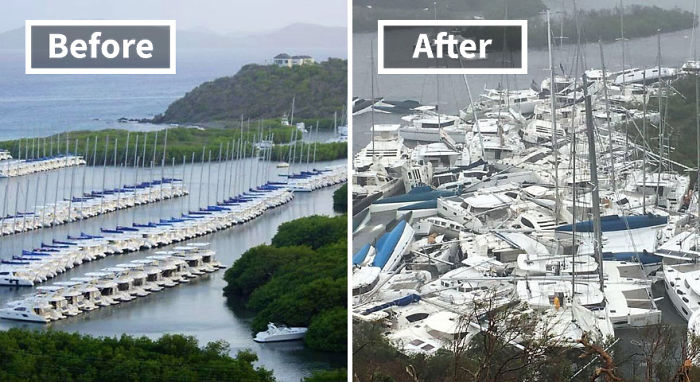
column 280, row 338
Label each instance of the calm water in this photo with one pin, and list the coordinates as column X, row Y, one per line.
column 40, row 105
column 198, row 309
column 35, row 106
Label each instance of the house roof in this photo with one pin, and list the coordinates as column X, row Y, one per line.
column 282, row 55
column 303, row 56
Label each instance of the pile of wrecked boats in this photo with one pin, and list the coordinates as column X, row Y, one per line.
column 531, row 201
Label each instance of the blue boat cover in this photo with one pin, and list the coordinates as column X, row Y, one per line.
column 403, row 301
column 415, row 196
column 643, row 257
column 361, row 255
column 386, row 244
column 426, row 205
column 617, row 223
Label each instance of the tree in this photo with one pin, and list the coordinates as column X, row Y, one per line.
column 340, row 199
column 30, row 355
column 314, row 231
column 299, row 280
column 335, row 375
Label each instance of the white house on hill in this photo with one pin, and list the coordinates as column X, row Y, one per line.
column 283, row 59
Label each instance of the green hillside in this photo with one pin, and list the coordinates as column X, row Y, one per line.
column 265, row 91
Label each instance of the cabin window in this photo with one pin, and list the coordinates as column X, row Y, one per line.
column 416, row 317
column 527, row 223
column 4, row 273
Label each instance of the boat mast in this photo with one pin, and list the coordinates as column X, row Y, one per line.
column 208, row 181
column 226, row 171
column 574, row 190
column 104, row 176
column 290, row 160
column 661, row 118
column 555, row 148
column 116, row 145
column 315, row 141
column 335, row 122
column 595, row 197
column 201, row 181
column 697, row 134
column 371, row 110
column 607, row 116
column 136, row 176
column 162, row 168
column 476, row 121
column 291, row 120
column 72, row 177
column 624, row 80
column 218, row 172
column 437, row 82
column 644, row 136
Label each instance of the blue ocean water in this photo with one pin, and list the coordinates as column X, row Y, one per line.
column 41, row 105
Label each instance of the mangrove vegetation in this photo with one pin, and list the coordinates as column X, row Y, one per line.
column 300, row 279
column 28, row 355
column 182, row 142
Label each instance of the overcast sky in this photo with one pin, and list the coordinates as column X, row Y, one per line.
column 223, row 16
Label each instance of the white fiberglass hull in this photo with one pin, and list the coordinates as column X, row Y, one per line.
column 263, row 337
column 11, row 314
column 420, row 134
column 15, row 281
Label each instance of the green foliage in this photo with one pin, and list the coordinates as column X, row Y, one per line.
column 604, row 24
column 327, row 331
column 27, row 355
column 304, row 152
column 265, row 91
column 679, row 122
column 182, row 143
column 340, row 199
column 365, row 19
column 375, row 358
column 313, row 231
column 334, row 375
column 298, row 285
column 257, row 267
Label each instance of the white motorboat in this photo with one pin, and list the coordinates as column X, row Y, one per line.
column 431, row 127
column 279, row 333
column 28, row 310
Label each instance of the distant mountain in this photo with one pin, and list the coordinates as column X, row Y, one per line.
column 264, row 91
column 12, row 39
column 317, row 41
column 301, row 36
